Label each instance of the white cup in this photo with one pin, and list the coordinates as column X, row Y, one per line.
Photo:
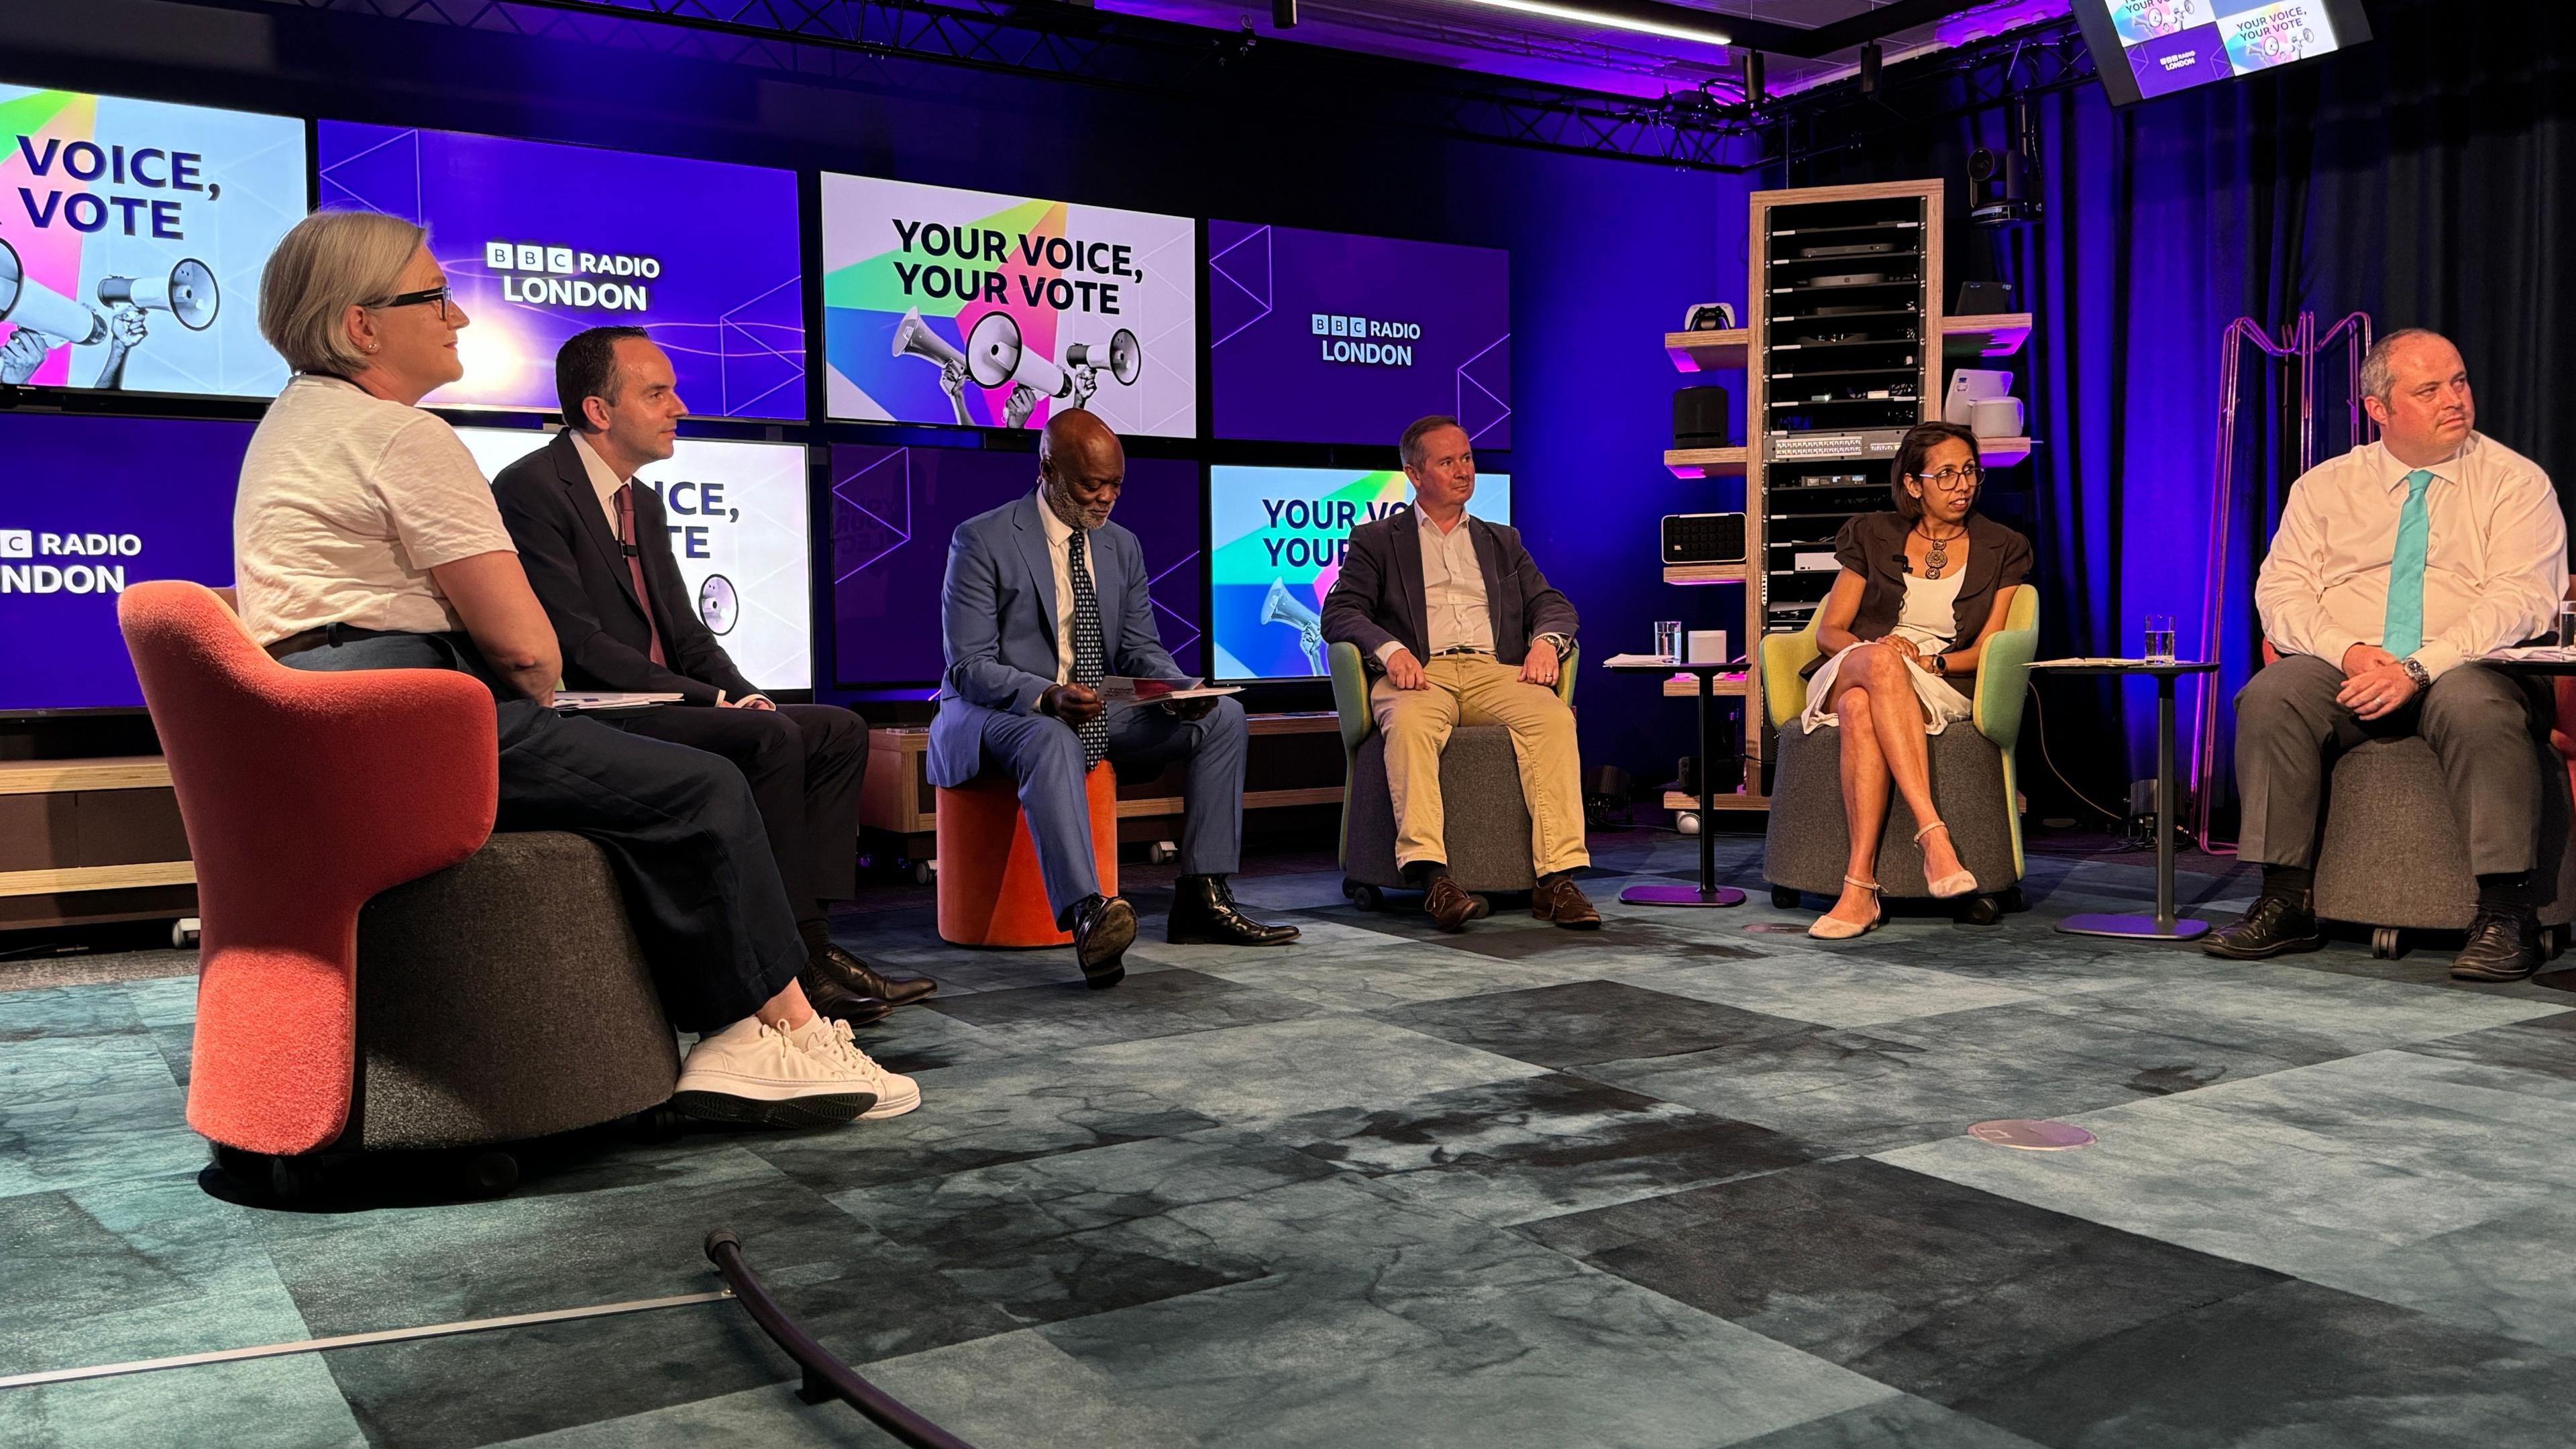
column 1996, row 418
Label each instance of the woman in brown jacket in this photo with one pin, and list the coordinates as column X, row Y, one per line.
column 1921, row 590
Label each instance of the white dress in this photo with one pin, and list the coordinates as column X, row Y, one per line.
column 1929, row 617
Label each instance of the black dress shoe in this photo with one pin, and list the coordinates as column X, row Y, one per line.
column 1204, row 914
column 867, row 980
column 1103, row 928
column 828, row 996
column 2273, row 926
column 2503, row 945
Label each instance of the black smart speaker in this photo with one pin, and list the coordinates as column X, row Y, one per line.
column 1701, row 418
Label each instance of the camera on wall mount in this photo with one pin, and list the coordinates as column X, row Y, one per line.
column 2003, row 185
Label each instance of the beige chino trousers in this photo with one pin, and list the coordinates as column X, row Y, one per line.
column 1478, row 689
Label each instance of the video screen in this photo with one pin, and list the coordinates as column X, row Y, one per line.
column 2163, row 46
column 1276, row 538
column 894, row 510
column 116, row 501
column 736, row 515
column 1323, row 337
column 132, row 234
column 542, row 240
column 946, row 306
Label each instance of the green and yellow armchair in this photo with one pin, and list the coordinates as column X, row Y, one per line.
column 1973, row 779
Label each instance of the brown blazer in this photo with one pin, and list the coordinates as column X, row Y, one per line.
column 1872, row 545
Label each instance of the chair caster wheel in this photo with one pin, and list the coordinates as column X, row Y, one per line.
column 925, row 872
column 2011, row 901
column 1980, row 911
column 1366, row 897
column 1686, row 822
column 1162, row 852
column 2384, row 943
column 293, row 1179
column 2554, row 940
column 1785, row 898
column 491, row 1173
column 654, row 1125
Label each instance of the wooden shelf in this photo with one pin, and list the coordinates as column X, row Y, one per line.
column 1170, row 805
column 1724, row 800
column 66, row 879
column 1721, row 350
column 2003, row 452
column 1998, row 334
column 1686, row 686
column 1706, row 462
column 1704, row 573
column 113, row 772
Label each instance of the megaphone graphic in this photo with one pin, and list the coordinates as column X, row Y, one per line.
column 36, row 306
column 1125, row 359
column 188, row 293
column 1283, row 607
column 912, row 335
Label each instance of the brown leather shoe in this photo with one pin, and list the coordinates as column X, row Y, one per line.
column 1563, row 902
column 1449, row 905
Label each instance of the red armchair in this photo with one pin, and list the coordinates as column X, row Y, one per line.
column 304, row 794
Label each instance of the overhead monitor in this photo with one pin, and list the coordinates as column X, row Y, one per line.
column 110, row 502
column 1325, row 337
column 736, row 514
column 947, row 306
column 894, row 510
column 132, row 234
column 542, row 240
column 1276, row 537
column 2148, row 48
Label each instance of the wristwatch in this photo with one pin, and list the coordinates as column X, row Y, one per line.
column 1941, row 666
column 2415, row 671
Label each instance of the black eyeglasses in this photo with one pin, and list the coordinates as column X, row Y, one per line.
column 1952, row 478
column 437, row 294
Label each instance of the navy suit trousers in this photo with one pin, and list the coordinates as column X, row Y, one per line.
column 1045, row 756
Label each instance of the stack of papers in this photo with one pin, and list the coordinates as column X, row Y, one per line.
column 569, row 700
column 1124, row 689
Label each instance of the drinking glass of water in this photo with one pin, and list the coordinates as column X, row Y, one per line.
column 2160, row 639
column 1668, row 640
column 2567, row 624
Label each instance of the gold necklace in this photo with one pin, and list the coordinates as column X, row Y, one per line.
column 1937, row 556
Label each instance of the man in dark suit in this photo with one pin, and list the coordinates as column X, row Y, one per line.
column 596, row 550
column 1045, row 597
column 1463, row 628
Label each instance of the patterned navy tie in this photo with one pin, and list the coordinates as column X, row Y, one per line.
column 1088, row 657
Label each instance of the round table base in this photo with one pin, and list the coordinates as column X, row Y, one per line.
column 1680, row 895
column 2132, row 927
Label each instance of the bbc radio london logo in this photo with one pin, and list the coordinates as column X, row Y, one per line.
column 20, row 573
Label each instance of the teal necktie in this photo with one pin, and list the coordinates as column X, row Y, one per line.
column 2405, row 631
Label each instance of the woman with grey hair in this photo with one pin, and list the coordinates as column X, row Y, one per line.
column 364, row 537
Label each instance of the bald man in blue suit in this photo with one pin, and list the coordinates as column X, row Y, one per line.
column 1045, row 596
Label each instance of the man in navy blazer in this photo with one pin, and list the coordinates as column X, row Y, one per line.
column 1462, row 628
column 598, row 555
column 1044, row 597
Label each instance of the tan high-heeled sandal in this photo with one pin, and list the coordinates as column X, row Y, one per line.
column 1956, row 883
column 1828, row 928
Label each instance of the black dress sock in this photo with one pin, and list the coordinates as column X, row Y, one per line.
column 817, row 936
column 1421, row 873
column 2289, row 882
column 2505, row 891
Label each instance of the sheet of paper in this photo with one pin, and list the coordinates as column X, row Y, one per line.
column 573, row 699
column 1123, row 689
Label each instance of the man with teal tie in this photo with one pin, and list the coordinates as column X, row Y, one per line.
column 2394, row 566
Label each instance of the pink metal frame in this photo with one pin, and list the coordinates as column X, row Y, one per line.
column 2299, row 349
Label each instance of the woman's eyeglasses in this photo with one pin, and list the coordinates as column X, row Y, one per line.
column 437, row 294
column 1951, row 479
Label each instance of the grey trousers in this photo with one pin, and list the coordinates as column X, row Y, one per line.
column 2487, row 728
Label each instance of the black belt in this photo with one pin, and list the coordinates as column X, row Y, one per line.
column 328, row 635
column 1458, row 649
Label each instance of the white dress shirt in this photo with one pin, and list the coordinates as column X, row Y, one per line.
column 2495, row 564
column 1059, row 537
column 1453, row 590
column 602, row 481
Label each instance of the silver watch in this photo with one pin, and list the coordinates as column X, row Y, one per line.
column 2415, row 671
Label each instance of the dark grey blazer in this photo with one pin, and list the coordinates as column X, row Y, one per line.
column 574, row 564
column 1379, row 595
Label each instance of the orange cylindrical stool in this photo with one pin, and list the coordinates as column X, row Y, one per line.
column 990, row 892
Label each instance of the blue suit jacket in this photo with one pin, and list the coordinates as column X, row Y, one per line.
column 997, row 626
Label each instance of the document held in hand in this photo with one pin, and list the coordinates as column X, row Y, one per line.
column 1123, row 689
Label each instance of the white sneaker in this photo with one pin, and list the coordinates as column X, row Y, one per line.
column 755, row 1073
column 830, row 1040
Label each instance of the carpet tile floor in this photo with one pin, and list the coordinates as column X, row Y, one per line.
column 1671, row 1183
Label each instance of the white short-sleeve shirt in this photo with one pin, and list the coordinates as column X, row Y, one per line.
column 347, row 501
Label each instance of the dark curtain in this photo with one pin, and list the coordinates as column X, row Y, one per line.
column 2427, row 178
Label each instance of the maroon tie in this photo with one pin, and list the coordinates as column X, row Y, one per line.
column 635, row 565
